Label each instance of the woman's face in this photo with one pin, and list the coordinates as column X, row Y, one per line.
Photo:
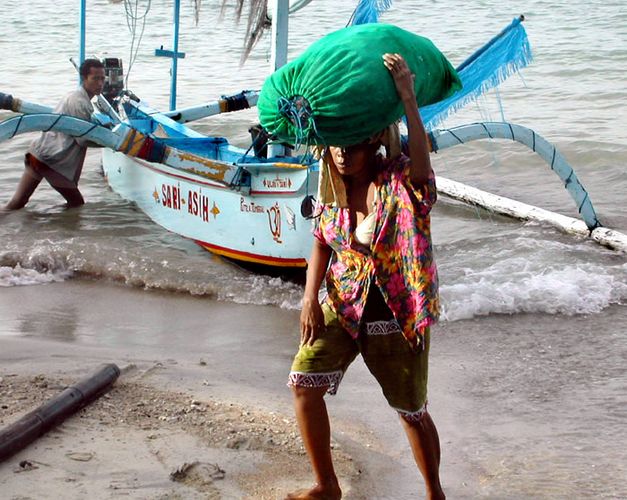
column 353, row 160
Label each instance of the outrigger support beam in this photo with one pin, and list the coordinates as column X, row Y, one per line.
column 590, row 226
column 235, row 102
column 445, row 138
column 124, row 139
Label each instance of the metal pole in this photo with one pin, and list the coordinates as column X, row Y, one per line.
column 175, row 49
column 280, row 15
column 81, row 42
column 278, row 51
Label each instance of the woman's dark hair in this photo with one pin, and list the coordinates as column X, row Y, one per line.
column 87, row 65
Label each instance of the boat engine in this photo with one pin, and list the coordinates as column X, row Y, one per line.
column 114, row 78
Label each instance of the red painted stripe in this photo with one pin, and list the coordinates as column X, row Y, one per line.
column 251, row 257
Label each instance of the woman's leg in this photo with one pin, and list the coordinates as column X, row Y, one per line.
column 313, row 421
column 402, row 373
column 425, row 445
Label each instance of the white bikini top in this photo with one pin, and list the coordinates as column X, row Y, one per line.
column 365, row 229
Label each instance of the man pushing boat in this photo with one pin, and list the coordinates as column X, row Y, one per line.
column 58, row 157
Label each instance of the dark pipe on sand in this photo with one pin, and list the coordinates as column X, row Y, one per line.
column 36, row 423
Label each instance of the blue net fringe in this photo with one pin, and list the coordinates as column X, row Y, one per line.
column 503, row 56
column 368, row 11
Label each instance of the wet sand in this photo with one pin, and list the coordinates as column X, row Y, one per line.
column 204, row 385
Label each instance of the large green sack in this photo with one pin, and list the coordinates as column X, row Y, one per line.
column 338, row 92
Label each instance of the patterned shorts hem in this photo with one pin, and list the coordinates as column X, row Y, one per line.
column 383, row 327
column 413, row 416
column 302, row 379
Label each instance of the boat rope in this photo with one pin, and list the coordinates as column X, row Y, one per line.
column 298, row 5
column 17, row 127
column 298, row 111
column 235, row 102
column 253, row 143
column 6, row 102
column 196, row 6
column 444, row 138
column 132, row 19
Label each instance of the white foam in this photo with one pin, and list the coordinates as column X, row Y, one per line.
column 18, row 276
column 263, row 290
column 505, row 288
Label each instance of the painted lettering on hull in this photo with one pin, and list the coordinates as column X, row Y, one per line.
column 198, row 204
column 274, row 219
column 171, row 196
column 250, row 206
column 278, row 182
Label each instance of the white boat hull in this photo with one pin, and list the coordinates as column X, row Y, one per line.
column 264, row 226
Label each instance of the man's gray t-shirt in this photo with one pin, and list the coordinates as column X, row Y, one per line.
column 63, row 153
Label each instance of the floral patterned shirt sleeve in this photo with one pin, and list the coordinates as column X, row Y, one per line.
column 402, row 252
column 399, row 260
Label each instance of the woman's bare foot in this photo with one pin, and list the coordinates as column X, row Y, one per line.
column 318, row 492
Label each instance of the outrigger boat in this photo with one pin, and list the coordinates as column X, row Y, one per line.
column 254, row 205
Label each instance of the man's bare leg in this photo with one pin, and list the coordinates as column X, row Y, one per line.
column 25, row 188
column 72, row 196
column 425, row 445
column 315, row 429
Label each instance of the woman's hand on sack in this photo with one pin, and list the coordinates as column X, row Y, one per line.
column 403, row 77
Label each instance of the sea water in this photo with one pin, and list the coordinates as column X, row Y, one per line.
column 573, row 94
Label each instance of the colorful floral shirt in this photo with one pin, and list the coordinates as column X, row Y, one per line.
column 400, row 257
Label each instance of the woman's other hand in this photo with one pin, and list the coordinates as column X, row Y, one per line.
column 311, row 321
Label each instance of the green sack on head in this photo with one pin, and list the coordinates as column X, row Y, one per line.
column 338, row 92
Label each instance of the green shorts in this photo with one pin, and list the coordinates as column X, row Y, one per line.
column 400, row 371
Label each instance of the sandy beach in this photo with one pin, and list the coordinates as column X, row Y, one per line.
column 528, row 386
column 139, row 441
column 201, row 409
column 180, row 422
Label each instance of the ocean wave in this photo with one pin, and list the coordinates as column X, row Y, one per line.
column 522, row 275
column 569, row 290
column 19, row 276
column 154, row 267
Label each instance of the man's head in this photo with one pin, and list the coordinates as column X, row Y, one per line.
column 92, row 76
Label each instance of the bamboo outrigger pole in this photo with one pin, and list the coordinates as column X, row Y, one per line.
column 36, row 423
column 605, row 236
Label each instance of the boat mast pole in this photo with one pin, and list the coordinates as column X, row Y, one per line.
column 81, row 31
column 173, row 54
column 175, row 49
column 280, row 15
column 278, row 51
